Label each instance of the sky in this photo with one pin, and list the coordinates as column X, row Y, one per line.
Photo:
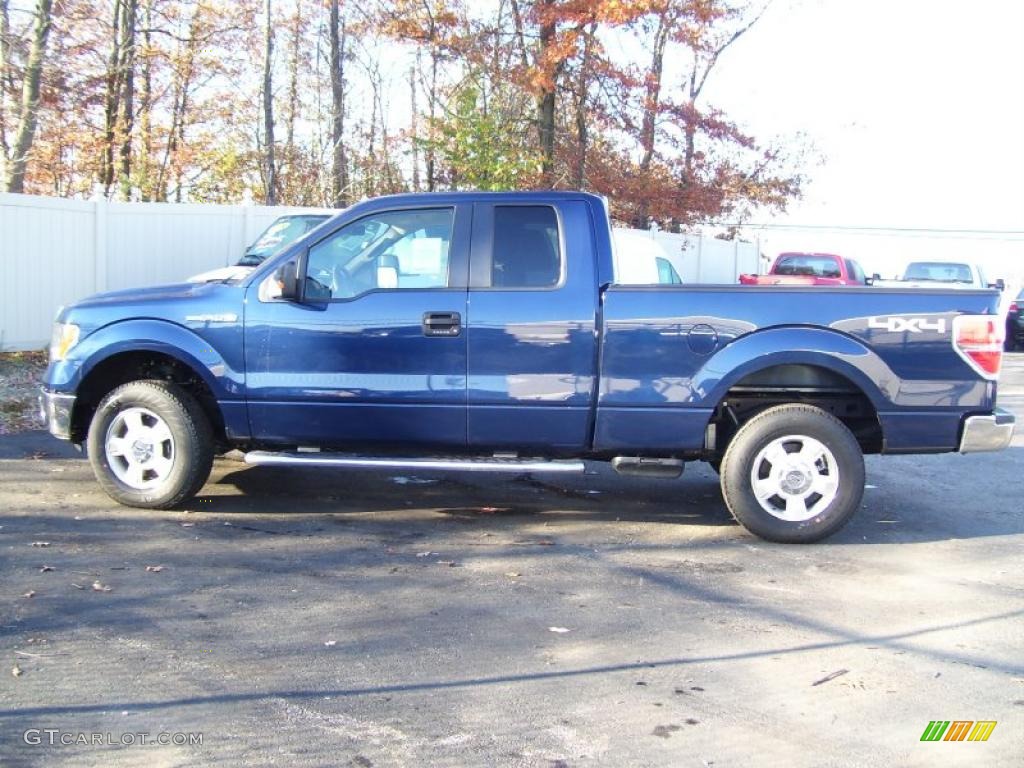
column 915, row 112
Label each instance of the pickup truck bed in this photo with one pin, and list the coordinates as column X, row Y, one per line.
column 487, row 331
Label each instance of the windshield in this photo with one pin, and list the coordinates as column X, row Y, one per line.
column 808, row 265
column 282, row 232
column 938, row 272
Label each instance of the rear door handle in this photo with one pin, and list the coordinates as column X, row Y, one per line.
column 442, row 323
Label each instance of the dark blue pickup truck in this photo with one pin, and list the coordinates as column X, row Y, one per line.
column 474, row 331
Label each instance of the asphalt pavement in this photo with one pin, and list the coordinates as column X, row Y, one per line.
column 333, row 618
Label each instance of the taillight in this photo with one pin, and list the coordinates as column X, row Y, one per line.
column 978, row 339
column 1014, row 307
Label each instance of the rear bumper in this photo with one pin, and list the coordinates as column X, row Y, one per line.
column 992, row 432
column 55, row 410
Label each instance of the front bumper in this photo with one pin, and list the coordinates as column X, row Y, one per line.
column 55, row 411
column 987, row 433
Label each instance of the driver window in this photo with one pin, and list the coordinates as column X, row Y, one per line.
column 393, row 251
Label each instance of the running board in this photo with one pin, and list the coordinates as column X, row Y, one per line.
column 275, row 459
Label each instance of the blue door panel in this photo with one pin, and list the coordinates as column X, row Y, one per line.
column 334, row 373
column 532, row 353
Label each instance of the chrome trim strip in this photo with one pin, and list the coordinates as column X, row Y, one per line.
column 268, row 458
column 987, row 433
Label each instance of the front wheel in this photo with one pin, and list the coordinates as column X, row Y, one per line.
column 150, row 445
column 793, row 473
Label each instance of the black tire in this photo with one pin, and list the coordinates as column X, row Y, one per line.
column 758, row 434
column 192, row 443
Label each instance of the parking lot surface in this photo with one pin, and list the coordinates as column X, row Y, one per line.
column 294, row 617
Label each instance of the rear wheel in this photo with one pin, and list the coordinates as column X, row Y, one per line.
column 793, row 473
column 150, row 445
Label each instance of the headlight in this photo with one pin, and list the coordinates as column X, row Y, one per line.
column 65, row 336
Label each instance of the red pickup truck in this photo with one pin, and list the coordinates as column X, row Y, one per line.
column 809, row 269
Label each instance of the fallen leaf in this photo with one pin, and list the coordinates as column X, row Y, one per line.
column 559, row 630
column 154, row 568
column 98, row 587
column 16, row 670
column 39, row 544
column 46, row 568
column 30, row 593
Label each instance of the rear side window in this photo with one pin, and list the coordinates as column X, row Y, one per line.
column 526, row 251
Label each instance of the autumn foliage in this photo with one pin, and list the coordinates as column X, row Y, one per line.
column 324, row 102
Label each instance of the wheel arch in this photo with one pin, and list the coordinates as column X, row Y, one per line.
column 826, row 349
column 800, row 365
column 123, row 356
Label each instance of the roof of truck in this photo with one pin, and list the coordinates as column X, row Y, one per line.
column 513, row 196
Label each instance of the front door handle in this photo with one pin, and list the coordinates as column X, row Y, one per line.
column 442, row 323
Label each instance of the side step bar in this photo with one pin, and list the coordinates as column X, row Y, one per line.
column 276, row 459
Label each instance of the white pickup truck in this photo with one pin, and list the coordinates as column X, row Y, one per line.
column 940, row 274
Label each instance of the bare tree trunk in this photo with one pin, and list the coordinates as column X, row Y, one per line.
column 339, row 161
column 127, row 122
column 703, row 65
column 270, row 196
column 582, row 138
column 30, row 97
column 370, row 174
column 146, row 106
column 5, row 80
column 293, row 82
column 432, row 117
column 546, row 101
column 179, row 108
column 652, row 104
column 111, row 106
column 413, row 72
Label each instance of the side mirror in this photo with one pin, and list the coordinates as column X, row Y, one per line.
column 288, row 278
column 999, row 284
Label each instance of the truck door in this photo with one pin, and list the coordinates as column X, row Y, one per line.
column 376, row 353
column 531, row 330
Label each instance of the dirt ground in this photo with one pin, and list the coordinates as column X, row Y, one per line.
column 20, row 375
column 377, row 619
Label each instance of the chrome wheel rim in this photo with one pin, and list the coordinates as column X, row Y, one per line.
column 139, row 448
column 794, row 478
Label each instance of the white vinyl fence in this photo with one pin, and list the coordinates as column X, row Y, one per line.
column 54, row 251
column 707, row 260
